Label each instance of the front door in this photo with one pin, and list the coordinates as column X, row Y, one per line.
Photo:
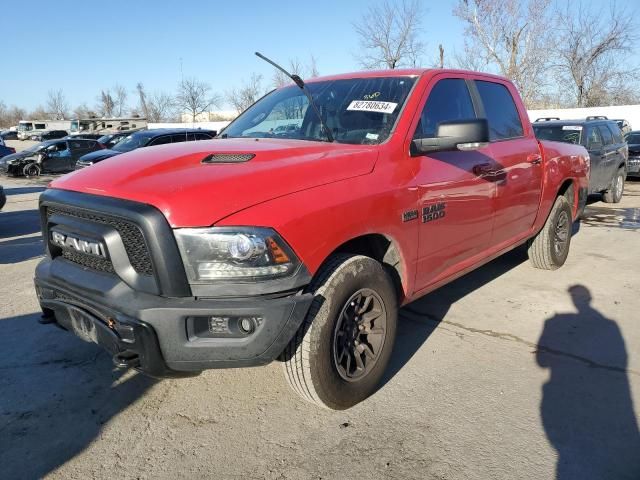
column 518, row 176
column 57, row 158
column 455, row 208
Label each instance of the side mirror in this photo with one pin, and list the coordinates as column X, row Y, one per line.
column 455, row 135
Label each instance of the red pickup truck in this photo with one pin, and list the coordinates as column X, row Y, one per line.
column 300, row 243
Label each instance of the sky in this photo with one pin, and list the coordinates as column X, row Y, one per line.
column 82, row 47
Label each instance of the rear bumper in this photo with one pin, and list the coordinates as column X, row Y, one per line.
column 164, row 336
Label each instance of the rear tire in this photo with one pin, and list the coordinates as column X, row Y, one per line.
column 614, row 194
column 549, row 249
column 339, row 355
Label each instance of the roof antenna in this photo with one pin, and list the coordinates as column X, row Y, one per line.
column 300, row 83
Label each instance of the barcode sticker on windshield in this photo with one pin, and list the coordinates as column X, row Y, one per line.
column 369, row 106
column 572, row 127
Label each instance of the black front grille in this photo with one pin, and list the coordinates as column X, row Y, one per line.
column 130, row 234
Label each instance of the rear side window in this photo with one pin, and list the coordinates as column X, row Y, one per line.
column 501, row 111
column 594, row 140
column 616, row 132
column 449, row 100
column 607, row 138
column 181, row 137
column 202, row 136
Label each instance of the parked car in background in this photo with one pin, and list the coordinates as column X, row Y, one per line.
column 624, row 125
column 49, row 135
column 86, row 136
column 5, row 150
column 9, row 134
column 147, row 138
column 633, row 143
column 608, row 151
column 112, row 139
column 53, row 156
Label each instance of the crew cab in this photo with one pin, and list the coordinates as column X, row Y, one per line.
column 300, row 246
column 608, row 151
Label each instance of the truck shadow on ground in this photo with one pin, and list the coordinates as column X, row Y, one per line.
column 57, row 392
column 22, row 190
column 587, row 410
column 17, row 224
column 418, row 320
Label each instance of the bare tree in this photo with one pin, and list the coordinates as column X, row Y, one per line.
column 160, row 107
column 57, row 105
column 83, row 111
column 591, row 48
column 194, row 97
column 296, row 67
column 389, row 35
column 119, row 100
column 106, row 104
column 39, row 113
column 511, row 36
column 247, row 94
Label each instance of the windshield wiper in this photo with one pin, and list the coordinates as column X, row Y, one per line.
column 300, row 83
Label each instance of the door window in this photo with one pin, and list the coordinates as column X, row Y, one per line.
column 615, row 132
column 202, row 136
column 607, row 138
column 500, row 109
column 160, row 141
column 594, row 140
column 449, row 100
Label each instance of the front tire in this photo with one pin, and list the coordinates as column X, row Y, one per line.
column 339, row 355
column 549, row 249
column 614, row 194
column 31, row 170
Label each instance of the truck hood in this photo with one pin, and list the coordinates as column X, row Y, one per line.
column 190, row 193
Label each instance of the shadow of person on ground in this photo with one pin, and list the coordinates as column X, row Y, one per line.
column 418, row 320
column 587, row 410
column 56, row 393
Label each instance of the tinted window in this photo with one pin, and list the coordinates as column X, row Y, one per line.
column 558, row 133
column 160, row 141
column 633, row 138
column 202, row 136
column 181, row 137
column 594, row 139
column 500, row 109
column 449, row 100
column 606, row 134
column 616, row 132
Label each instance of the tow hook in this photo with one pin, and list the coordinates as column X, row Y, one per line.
column 126, row 359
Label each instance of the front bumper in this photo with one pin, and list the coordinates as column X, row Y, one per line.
column 164, row 336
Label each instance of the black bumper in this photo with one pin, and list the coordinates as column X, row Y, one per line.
column 3, row 197
column 164, row 336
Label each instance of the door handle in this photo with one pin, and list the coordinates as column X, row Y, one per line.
column 484, row 169
column 534, row 159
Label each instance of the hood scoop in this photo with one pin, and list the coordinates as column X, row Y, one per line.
column 228, row 157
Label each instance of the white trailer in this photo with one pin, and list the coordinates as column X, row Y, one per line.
column 103, row 126
column 29, row 128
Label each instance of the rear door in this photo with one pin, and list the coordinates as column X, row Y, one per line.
column 595, row 147
column 609, row 162
column 455, row 206
column 518, row 162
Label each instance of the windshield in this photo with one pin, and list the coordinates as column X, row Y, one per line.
column 74, row 126
column 633, row 138
column 36, row 148
column 358, row 110
column 131, row 143
column 559, row 133
column 22, row 127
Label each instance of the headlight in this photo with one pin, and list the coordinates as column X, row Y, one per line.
column 234, row 253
